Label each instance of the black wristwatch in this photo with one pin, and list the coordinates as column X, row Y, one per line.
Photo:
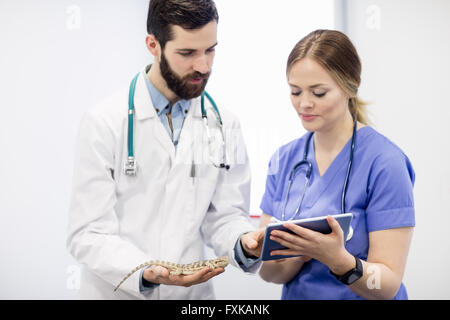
column 351, row 276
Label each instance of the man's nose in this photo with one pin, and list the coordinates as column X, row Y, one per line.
column 202, row 64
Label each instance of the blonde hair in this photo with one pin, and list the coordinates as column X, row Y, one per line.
column 334, row 51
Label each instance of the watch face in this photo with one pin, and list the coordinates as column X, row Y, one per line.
column 354, row 276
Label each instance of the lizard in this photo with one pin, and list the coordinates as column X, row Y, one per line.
column 177, row 269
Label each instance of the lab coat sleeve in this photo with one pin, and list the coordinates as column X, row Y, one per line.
column 244, row 262
column 93, row 227
column 228, row 215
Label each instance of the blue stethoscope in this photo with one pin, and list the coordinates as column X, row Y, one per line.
column 130, row 167
column 307, row 163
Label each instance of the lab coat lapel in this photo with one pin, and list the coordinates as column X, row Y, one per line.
column 189, row 134
column 145, row 110
column 161, row 135
column 334, row 173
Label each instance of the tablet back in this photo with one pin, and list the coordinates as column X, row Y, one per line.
column 319, row 224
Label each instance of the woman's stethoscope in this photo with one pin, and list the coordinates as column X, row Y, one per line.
column 308, row 175
column 130, row 165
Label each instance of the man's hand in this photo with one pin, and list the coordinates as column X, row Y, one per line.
column 161, row 275
column 252, row 242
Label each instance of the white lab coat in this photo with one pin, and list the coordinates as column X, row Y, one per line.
column 117, row 222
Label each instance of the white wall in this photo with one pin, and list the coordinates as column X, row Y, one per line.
column 58, row 58
column 404, row 47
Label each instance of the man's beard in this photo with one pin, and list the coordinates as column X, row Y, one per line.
column 181, row 86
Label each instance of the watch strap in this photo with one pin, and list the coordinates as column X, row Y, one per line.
column 352, row 275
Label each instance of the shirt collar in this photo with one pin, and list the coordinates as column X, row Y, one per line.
column 161, row 104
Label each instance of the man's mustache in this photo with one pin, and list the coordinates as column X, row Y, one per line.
column 197, row 75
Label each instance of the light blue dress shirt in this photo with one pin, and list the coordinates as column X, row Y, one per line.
column 179, row 113
column 162, row 107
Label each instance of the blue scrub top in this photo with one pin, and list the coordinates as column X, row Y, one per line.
column 379, row 194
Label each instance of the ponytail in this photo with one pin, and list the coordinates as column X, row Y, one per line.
column 358, row 109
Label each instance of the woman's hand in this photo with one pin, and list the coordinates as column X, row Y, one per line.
column 282, row 270
column 326, row 248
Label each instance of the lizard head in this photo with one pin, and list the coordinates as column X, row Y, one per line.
column 220, row 262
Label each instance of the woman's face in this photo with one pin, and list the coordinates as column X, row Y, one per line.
column 317, row 98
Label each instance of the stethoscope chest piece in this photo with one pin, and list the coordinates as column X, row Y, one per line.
column 130, row 167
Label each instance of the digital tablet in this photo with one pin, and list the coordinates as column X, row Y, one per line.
column 319, row 224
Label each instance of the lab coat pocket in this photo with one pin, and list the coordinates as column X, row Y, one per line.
column 206, row 173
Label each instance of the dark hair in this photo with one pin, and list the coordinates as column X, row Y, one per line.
column 188, row 14
column 334, row 51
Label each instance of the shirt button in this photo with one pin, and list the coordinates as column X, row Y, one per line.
column 186, row 111
column 157, row 110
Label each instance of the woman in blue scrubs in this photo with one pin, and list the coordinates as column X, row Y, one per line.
column 323, row 74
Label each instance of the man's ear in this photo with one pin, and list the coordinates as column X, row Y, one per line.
column 153, row 46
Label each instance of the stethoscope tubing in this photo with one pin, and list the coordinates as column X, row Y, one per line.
column 130, row 165
column 131, row 116
column 349, row 167
column 305, row 161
